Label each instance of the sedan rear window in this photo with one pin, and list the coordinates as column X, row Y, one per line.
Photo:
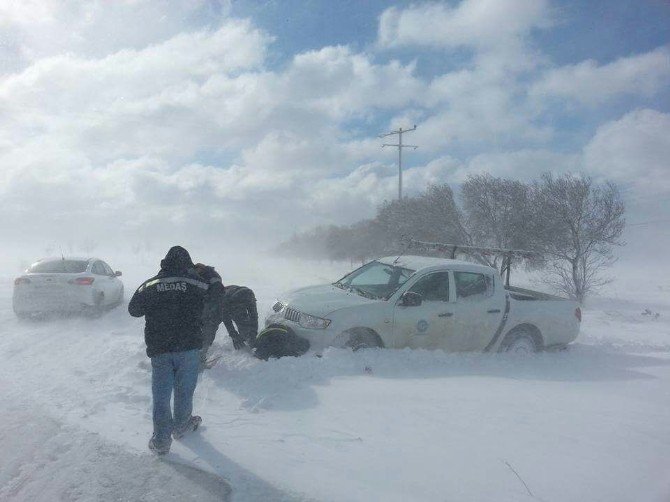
column 58, row 267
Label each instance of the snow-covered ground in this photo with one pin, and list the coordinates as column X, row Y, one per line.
column 589, row 424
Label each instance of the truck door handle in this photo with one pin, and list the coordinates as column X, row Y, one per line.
column 445, row 314
column 493, row 311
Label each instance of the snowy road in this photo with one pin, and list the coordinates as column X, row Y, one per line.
column 587, row 424
column 45, row 460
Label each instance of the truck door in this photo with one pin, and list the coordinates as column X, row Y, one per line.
column 478, row 310
column 429, row 325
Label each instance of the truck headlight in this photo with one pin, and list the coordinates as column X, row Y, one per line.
column 313, row 322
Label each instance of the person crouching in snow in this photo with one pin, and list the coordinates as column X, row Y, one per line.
column 172, row 304
column 239, row 306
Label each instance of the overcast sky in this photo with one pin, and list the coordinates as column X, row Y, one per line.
column 192, row 119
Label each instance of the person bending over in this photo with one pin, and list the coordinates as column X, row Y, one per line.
column 240, row 315
column 212, row 309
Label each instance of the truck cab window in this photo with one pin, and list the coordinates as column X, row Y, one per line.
column 433, row 287
column 472, row 286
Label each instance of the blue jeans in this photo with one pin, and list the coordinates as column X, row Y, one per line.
column 176, row 371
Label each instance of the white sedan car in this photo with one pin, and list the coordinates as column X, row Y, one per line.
column 50, row 285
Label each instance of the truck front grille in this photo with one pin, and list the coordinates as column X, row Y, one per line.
column 291, row 314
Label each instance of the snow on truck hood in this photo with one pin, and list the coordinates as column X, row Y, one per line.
column 322, row 300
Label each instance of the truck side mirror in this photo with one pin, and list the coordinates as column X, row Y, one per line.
column 410, row 299
column 118, row 273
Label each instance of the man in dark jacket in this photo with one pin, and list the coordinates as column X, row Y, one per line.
column 172, row 304
column 211, row 313
column 239, row 306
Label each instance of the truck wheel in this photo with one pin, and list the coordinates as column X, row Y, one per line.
column 521, row 344
column 362, row 339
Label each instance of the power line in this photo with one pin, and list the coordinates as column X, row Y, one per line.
column 650, row 222
column 400, row 146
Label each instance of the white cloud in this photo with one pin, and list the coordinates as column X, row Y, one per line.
column 35, row 29
column 634, row 150
column 472, row 23
column 481, row 103
column 27, row 12
column 340, row 83
column 357, row 195
column 524, row 164
column 120, row 137
column 135, row 102
column 593, row 84
column 186, row 129
column 477, row 108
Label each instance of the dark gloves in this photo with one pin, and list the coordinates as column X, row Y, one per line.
column 238, row 341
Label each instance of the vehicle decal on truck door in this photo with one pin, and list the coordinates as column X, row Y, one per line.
column 422, row 326
column 501, row 326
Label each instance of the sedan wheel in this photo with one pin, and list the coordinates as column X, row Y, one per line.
column 97, row 309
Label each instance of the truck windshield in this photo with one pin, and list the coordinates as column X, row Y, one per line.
column 375, row 280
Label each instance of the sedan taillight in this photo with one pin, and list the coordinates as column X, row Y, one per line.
column 82, row 281
column 578, row 314
column 21, row 280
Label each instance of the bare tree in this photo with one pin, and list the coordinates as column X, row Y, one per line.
column 499, row 213
column 367, row 240
column 580, row 224
column 442, row 218
column 431, row 216
column 398, row 219
column 574, row 222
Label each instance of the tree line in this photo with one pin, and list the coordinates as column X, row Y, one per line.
column 570, row 223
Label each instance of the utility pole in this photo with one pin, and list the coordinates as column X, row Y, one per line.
column 400, row 146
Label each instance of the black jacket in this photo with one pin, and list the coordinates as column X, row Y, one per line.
column 172, row 304
column 212, row 311
column 239, row 305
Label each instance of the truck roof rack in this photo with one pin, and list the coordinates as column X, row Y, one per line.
column 452, row 249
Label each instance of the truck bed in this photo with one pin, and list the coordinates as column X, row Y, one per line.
column 530, row 295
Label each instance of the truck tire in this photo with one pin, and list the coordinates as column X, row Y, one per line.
column 362, row 338
column 277, row 341
column 519, row 342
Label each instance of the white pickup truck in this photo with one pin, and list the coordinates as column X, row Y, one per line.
column 430, row 303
